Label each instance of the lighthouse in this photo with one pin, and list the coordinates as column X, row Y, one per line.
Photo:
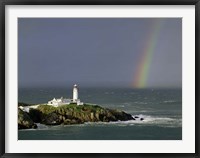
column 75, row 93
column 63, row 101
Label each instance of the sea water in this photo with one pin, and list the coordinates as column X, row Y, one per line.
column 160, row 108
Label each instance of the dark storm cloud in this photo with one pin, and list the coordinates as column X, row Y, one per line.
column 96, row 52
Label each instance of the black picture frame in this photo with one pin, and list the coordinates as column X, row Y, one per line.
column 4, row 3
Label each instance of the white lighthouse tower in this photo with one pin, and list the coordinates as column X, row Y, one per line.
column 75, row 93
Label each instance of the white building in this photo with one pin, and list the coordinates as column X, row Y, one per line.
column 62, row 101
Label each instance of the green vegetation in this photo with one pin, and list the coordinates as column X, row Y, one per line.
column 63, row 109
column 46, row 109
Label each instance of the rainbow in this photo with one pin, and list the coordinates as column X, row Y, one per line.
column 142, row 68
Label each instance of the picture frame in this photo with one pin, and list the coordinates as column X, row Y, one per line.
column 4, row 79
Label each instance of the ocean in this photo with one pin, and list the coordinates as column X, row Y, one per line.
column 160, row 108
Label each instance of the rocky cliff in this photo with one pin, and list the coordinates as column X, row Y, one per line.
column 73, row 114
column 24, row 120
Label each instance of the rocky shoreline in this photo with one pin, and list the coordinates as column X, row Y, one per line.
column 67, row 115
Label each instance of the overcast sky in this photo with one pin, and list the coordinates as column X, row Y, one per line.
column 98, row 52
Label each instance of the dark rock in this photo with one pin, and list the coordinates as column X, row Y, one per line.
column 141, row 119
column 120, row 115
column 24, row 120
column 52, row 119
column 72, row 121
column 35, row 115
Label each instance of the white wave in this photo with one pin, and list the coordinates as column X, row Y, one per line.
column 169, row 101
column 148, row 120
column 140, row 102
column 41, row 126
